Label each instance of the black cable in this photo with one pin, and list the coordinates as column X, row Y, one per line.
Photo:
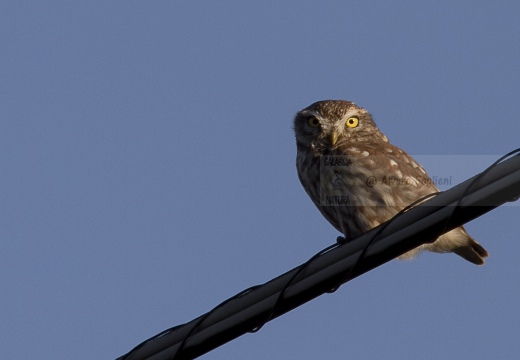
column 280, row 296
column 206, row 315
column 195, row 326
column 344, row 278
column 457, row 206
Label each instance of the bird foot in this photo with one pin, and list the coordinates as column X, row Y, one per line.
column 341, row 240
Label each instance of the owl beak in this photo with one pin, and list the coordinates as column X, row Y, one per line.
column 334, row 137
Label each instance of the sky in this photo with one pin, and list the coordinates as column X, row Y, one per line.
column 148, row 171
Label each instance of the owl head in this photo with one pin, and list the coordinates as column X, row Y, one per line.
column 330, row 124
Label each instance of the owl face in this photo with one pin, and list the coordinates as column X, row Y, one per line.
column 330, row 124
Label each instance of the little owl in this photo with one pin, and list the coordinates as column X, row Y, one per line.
column 358, row 180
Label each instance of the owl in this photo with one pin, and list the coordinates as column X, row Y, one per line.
column 358, row 180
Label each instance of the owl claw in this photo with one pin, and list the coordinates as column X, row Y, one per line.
column 341, row 240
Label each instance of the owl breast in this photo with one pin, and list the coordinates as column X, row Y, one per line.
column 356, row 191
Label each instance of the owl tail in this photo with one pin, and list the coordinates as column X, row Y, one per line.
column 472, row 251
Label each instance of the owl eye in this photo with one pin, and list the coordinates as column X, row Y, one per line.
column 352, row 122
column 313, row 122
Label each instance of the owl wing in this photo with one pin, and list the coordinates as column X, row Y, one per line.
column 397, row 164
column 388, row 180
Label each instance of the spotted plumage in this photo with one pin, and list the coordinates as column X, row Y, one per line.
column 358, row 180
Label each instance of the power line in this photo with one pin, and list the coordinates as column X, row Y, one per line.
column 337, row 264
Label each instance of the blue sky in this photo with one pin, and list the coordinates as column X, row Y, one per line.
column 147, row 171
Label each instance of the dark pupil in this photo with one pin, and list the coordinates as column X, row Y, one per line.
column 351, row 121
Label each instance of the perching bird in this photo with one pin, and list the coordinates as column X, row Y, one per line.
column 358, row 180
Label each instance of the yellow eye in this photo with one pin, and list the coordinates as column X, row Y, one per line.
column 313, row 122
column 352, row 122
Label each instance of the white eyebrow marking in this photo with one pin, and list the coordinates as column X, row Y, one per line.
column 350, row 112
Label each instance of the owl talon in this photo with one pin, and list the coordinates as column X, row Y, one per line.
column 341, row 240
